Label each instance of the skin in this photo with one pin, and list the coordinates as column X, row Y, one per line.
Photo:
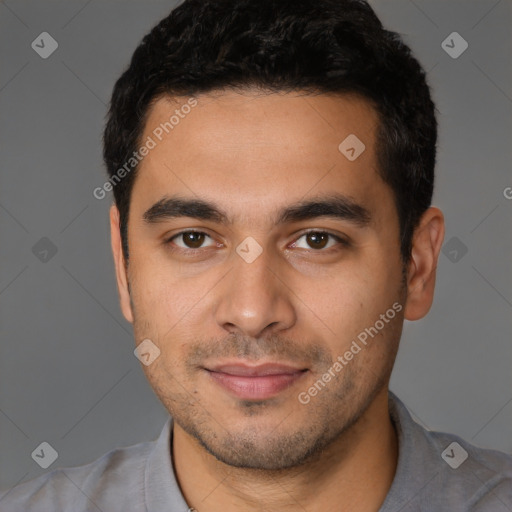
column 254, row 154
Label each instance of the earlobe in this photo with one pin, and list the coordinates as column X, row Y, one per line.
column 120, row 266
column 427, row 241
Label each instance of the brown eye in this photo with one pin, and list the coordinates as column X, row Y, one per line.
column 190, row 239
column 319, row 240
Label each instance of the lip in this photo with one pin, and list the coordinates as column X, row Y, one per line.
column 245, row 370
column 255, row 382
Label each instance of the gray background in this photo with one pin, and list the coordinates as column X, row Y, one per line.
column 67, row 371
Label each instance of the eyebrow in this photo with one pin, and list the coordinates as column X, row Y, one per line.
column 335, row 206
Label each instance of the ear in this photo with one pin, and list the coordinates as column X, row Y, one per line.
column 119, row 261
column 427, row 241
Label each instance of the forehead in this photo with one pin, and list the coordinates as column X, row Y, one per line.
column 255, row 149
column 228, row 119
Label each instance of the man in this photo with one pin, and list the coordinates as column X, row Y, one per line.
column 272, row 164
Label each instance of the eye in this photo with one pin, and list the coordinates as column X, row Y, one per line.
column 190, row 239
column 318, row 240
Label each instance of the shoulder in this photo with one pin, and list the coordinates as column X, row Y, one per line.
column 441, row 471
column 483, row 476
column 107, row 483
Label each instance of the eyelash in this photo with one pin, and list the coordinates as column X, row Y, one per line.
column 339, row 239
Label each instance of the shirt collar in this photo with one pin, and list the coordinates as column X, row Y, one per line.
column 414, row 468
column 162, row 492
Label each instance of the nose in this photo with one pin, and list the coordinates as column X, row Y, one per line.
column 253, row 300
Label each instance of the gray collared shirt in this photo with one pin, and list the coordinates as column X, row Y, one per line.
column 435, row 472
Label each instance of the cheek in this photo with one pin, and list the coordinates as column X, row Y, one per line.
column 159, row 297
column 166, row 311
column 352, row 300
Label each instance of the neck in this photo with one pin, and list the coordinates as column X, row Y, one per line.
column 355, row 472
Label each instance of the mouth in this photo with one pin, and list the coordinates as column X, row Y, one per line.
column 255, row 382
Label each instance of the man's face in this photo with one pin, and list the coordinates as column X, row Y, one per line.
column 218, row 315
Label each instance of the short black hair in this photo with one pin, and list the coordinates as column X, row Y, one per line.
column 312, row 46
